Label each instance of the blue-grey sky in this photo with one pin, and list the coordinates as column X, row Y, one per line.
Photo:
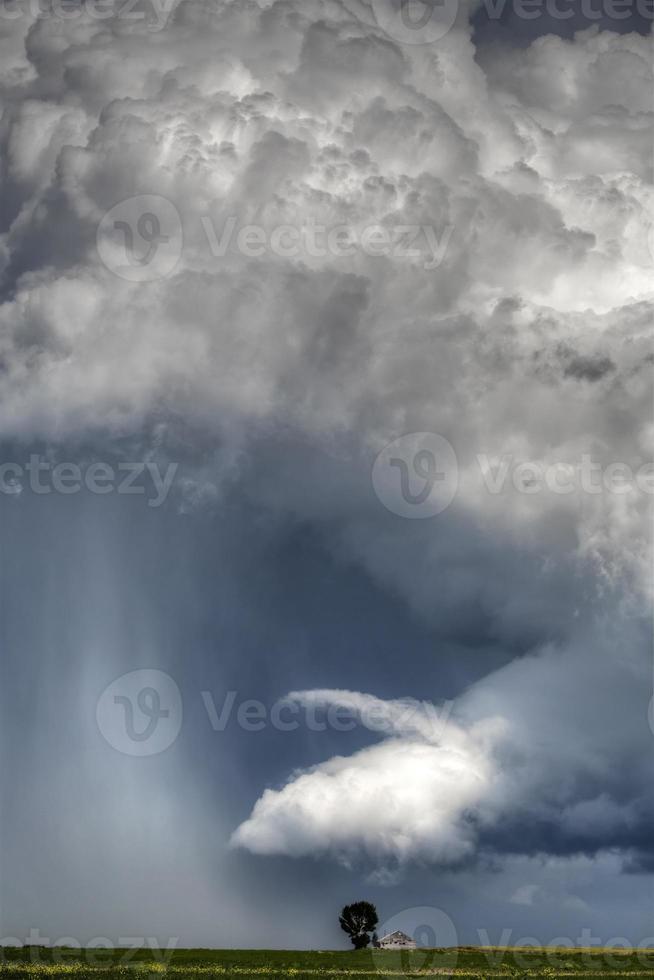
column 264, row 265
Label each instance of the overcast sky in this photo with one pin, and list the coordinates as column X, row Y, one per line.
column 361, row 305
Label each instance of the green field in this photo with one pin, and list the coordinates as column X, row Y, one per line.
column 476, row 963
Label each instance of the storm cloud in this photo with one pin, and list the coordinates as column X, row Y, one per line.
column 276, row 365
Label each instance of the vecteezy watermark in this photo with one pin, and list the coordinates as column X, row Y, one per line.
column 416, row 941
column 586, row 476
column 311, row 240
column 562, row 10
column 140, row 713
column 427, row 21
column 96, row 952
column 415, row 21
column 290, row 714
column 140, row 239
column 529, row 953
column 154, row 13
column 416, row 476
column 42, row 476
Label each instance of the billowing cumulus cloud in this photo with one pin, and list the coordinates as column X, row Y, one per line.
column 278, row 364
column 527, row 761
column 402, row 799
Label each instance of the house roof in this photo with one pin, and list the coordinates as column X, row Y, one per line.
column 396, row 935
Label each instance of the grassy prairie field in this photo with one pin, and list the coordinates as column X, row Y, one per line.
column 467, row 963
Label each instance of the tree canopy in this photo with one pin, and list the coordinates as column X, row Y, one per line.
column 358, row 921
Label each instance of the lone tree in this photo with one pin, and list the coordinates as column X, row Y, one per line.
column 358, row 920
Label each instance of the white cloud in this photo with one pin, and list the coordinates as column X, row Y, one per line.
column 396, row 800
column 525, row 764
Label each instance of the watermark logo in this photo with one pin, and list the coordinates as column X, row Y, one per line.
column 415, row 942
column 423, row 244
column 585, row 476
column 427, row 21
column 98, row 952
column 140, row 239
column 415, row 21
column 155, row 15
column 140, row 713
column 417, row 475
column 43, row 477
column 322, row 713
column 591, row 11
column 561, row 954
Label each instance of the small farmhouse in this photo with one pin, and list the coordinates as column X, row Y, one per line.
column 397, row 940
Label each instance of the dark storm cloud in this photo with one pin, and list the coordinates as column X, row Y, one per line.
column 518, row 331
column 590, row 368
